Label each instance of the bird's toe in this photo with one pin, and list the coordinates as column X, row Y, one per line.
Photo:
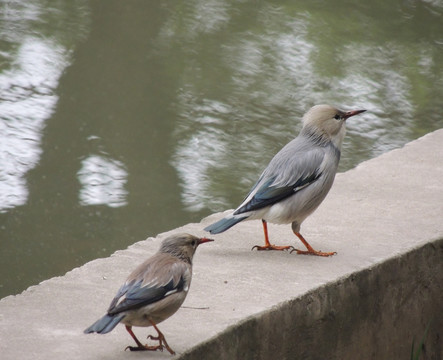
column 272, row 247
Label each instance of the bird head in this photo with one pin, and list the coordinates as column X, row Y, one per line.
column 328, row 122
column 182, row 245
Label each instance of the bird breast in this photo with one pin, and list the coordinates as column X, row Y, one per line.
column 156, row 312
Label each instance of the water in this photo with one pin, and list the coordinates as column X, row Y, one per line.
column 120, row 120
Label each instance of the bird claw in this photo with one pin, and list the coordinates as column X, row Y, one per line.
column 140, row 347
column 313, row 252
column 272, row 247
column 147, row 347
column 155, row 338
column 162, row 343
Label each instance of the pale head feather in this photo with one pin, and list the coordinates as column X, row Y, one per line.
column 327, row 122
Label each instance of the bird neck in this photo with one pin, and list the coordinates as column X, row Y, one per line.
column 322, row 138
column 181, row 255
column 315, row 135
column 185, row 258
column 337, row 139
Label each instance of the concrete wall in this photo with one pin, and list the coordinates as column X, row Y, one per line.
column 372, row 314
column 384, row 219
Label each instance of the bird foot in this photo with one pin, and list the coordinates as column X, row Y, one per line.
column 313, row 252
column 162, row 343
column 140, row 347
column 272, row 247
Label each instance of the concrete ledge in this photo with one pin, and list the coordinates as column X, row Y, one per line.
column 385, row 220
column 372, row 314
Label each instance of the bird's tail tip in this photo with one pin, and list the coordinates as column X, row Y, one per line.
column 104, row 324
column 223, row 224
column 89, row 330
column 210, row 229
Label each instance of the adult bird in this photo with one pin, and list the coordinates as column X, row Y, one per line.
column 297, row 179
column 153, row 292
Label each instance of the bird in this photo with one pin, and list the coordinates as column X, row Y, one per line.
column 153, row 292
column 297, row 179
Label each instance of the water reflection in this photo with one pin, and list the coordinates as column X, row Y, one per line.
column 27, row 100
column 35, row 50
column 103, row 182
column 195, row 156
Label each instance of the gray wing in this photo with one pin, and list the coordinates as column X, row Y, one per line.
column 292, row 169
column 151, row 282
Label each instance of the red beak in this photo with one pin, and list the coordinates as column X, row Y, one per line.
column 204, row 240
column 348, row 114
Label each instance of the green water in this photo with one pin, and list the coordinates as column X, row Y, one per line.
column 123, row 119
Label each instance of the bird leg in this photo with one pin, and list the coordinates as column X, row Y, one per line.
column 310, row 250
column 140, row 346
column 160, row 338
column 268, row 245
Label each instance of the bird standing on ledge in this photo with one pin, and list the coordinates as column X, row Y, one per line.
column 297, row 179
column 153, row 292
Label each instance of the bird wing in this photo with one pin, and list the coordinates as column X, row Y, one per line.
column 150, row 282
column 289, row 171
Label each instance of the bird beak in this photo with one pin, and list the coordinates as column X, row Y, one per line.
column 204, row 240
column 348, row 114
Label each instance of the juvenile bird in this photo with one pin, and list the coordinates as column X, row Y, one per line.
column 153, row 292
column 297, row 179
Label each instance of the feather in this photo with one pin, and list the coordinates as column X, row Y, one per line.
column 224, row 224
column 138, row 296
column 285, row 175
column 105, row 324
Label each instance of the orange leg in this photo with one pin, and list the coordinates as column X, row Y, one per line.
column 310, row 250
column 161, row 339
column 268, row 245
column 140, row 347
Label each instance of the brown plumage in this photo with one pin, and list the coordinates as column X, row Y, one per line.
column 154, row 291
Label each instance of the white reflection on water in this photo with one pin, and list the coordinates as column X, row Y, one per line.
column 103, row 182
column 191, row 159
column 27, row 100
column 372, row 82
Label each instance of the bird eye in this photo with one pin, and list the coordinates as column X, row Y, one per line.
column 337, row 117
column 193, row 243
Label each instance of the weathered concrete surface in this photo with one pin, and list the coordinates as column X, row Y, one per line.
column 372, row 314
column 385, row 220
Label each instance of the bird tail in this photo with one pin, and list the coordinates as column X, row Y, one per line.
column 224, row 224
column 105, row 324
